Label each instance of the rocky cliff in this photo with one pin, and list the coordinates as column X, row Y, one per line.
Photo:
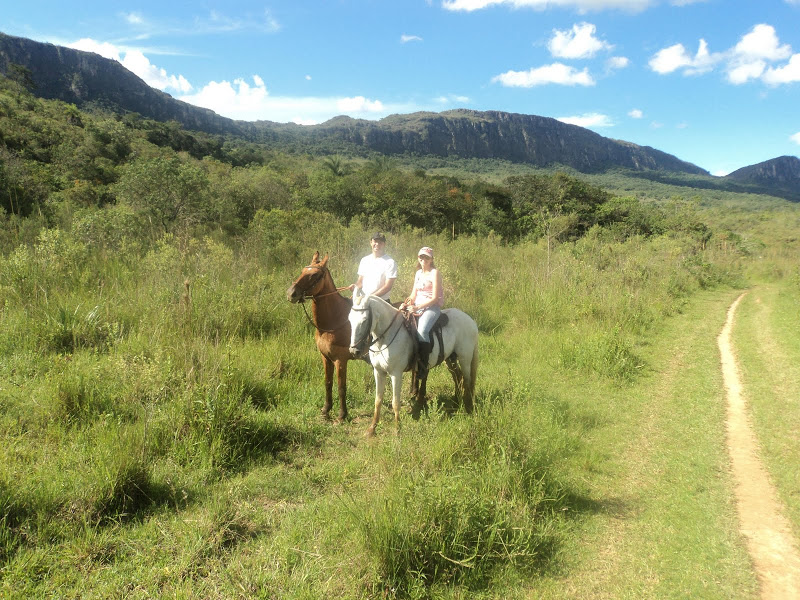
column 783, row 171
column 530, row 139
column 86, row 78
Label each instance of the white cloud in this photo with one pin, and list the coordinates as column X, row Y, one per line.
column 617, row 62
column 752, row 58
column 270, row 23
column 237, row 100
column 214, row 22
column 762, row 43
column 789, row 73
column 749, row 58
column 556, row 73
column 452, row 99
column 359, row 105
column 579, row 5
column 588, row 120
column 217, row 22
column 580, row 42
column 134, row 18
column 673, row 58
column 795, row 138
column 404, row 39
column 104, row 49
column 136, row 62
column 745, row 71
column 635, row 113
column 252, row 102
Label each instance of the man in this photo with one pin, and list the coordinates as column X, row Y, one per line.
column 376, row 271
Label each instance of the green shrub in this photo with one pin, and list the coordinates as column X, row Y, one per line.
column 609, row 353
column 65, row 330
column 222, row 430
column 480, row 497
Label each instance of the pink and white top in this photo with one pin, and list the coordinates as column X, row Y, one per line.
column 423, row 284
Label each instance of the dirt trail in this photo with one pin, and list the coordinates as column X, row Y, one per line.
column 761, row 514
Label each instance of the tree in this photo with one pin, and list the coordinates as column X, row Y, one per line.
column 22, row 75
column 169, row 193
column 536, row 199
column 336, row 166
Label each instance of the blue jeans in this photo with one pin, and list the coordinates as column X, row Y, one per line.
column 425, row 322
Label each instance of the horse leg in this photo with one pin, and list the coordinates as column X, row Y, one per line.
column 469, row 381
column 457, row 374
column 397, row 388
column 420, row 401
column 380, row 386
column 327, row 363
column 341, row 380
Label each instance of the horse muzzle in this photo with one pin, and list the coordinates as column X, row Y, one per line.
column 358, row 351
column 294, row 295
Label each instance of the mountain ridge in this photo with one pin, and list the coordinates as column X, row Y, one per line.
column 84, row 78
column 88, row 79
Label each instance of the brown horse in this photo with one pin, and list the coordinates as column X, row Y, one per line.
column 329, row 311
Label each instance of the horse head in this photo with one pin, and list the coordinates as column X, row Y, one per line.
column 360, row 324
column 310, row 281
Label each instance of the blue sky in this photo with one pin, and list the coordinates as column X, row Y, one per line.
column 714, row 82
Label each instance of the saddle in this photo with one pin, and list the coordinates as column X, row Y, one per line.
column 410, row 321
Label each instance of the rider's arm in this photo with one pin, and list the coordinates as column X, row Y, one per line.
column 387, row 287
column 358, row 284
column 410, row 300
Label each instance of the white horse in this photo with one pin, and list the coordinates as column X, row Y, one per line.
column 392, row 350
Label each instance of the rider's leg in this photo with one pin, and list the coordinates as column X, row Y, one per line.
column 424, row 326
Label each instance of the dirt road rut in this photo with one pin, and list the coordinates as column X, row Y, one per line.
column 761, row 514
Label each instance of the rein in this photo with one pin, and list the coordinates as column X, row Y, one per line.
column 385, row 331
column 314, row 299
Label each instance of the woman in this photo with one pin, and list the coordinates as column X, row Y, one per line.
column 425, row 301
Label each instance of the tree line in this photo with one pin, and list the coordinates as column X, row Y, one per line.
column 62, row 165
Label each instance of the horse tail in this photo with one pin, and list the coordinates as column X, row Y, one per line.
column 473, row 373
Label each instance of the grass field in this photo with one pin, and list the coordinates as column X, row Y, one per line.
column 161, row 430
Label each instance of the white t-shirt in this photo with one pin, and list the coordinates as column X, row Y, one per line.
column 375, row 271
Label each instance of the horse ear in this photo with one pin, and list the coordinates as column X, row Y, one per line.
column 315, row 258
column 358, row 294
column 324, row 261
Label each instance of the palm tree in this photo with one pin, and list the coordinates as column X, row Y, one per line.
column 336, row 165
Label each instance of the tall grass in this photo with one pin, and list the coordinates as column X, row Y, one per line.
column 144, row 385
column 480, row 498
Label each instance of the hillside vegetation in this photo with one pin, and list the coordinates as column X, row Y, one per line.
column 159, row 397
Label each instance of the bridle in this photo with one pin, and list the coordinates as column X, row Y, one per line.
column 317, row 278
column 369, row 326
column 315, row 281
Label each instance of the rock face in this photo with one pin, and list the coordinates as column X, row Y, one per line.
column 540, row 141
column 783, row 171
column 86, row 78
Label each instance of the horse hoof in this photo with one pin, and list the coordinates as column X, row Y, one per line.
column 370, row 433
